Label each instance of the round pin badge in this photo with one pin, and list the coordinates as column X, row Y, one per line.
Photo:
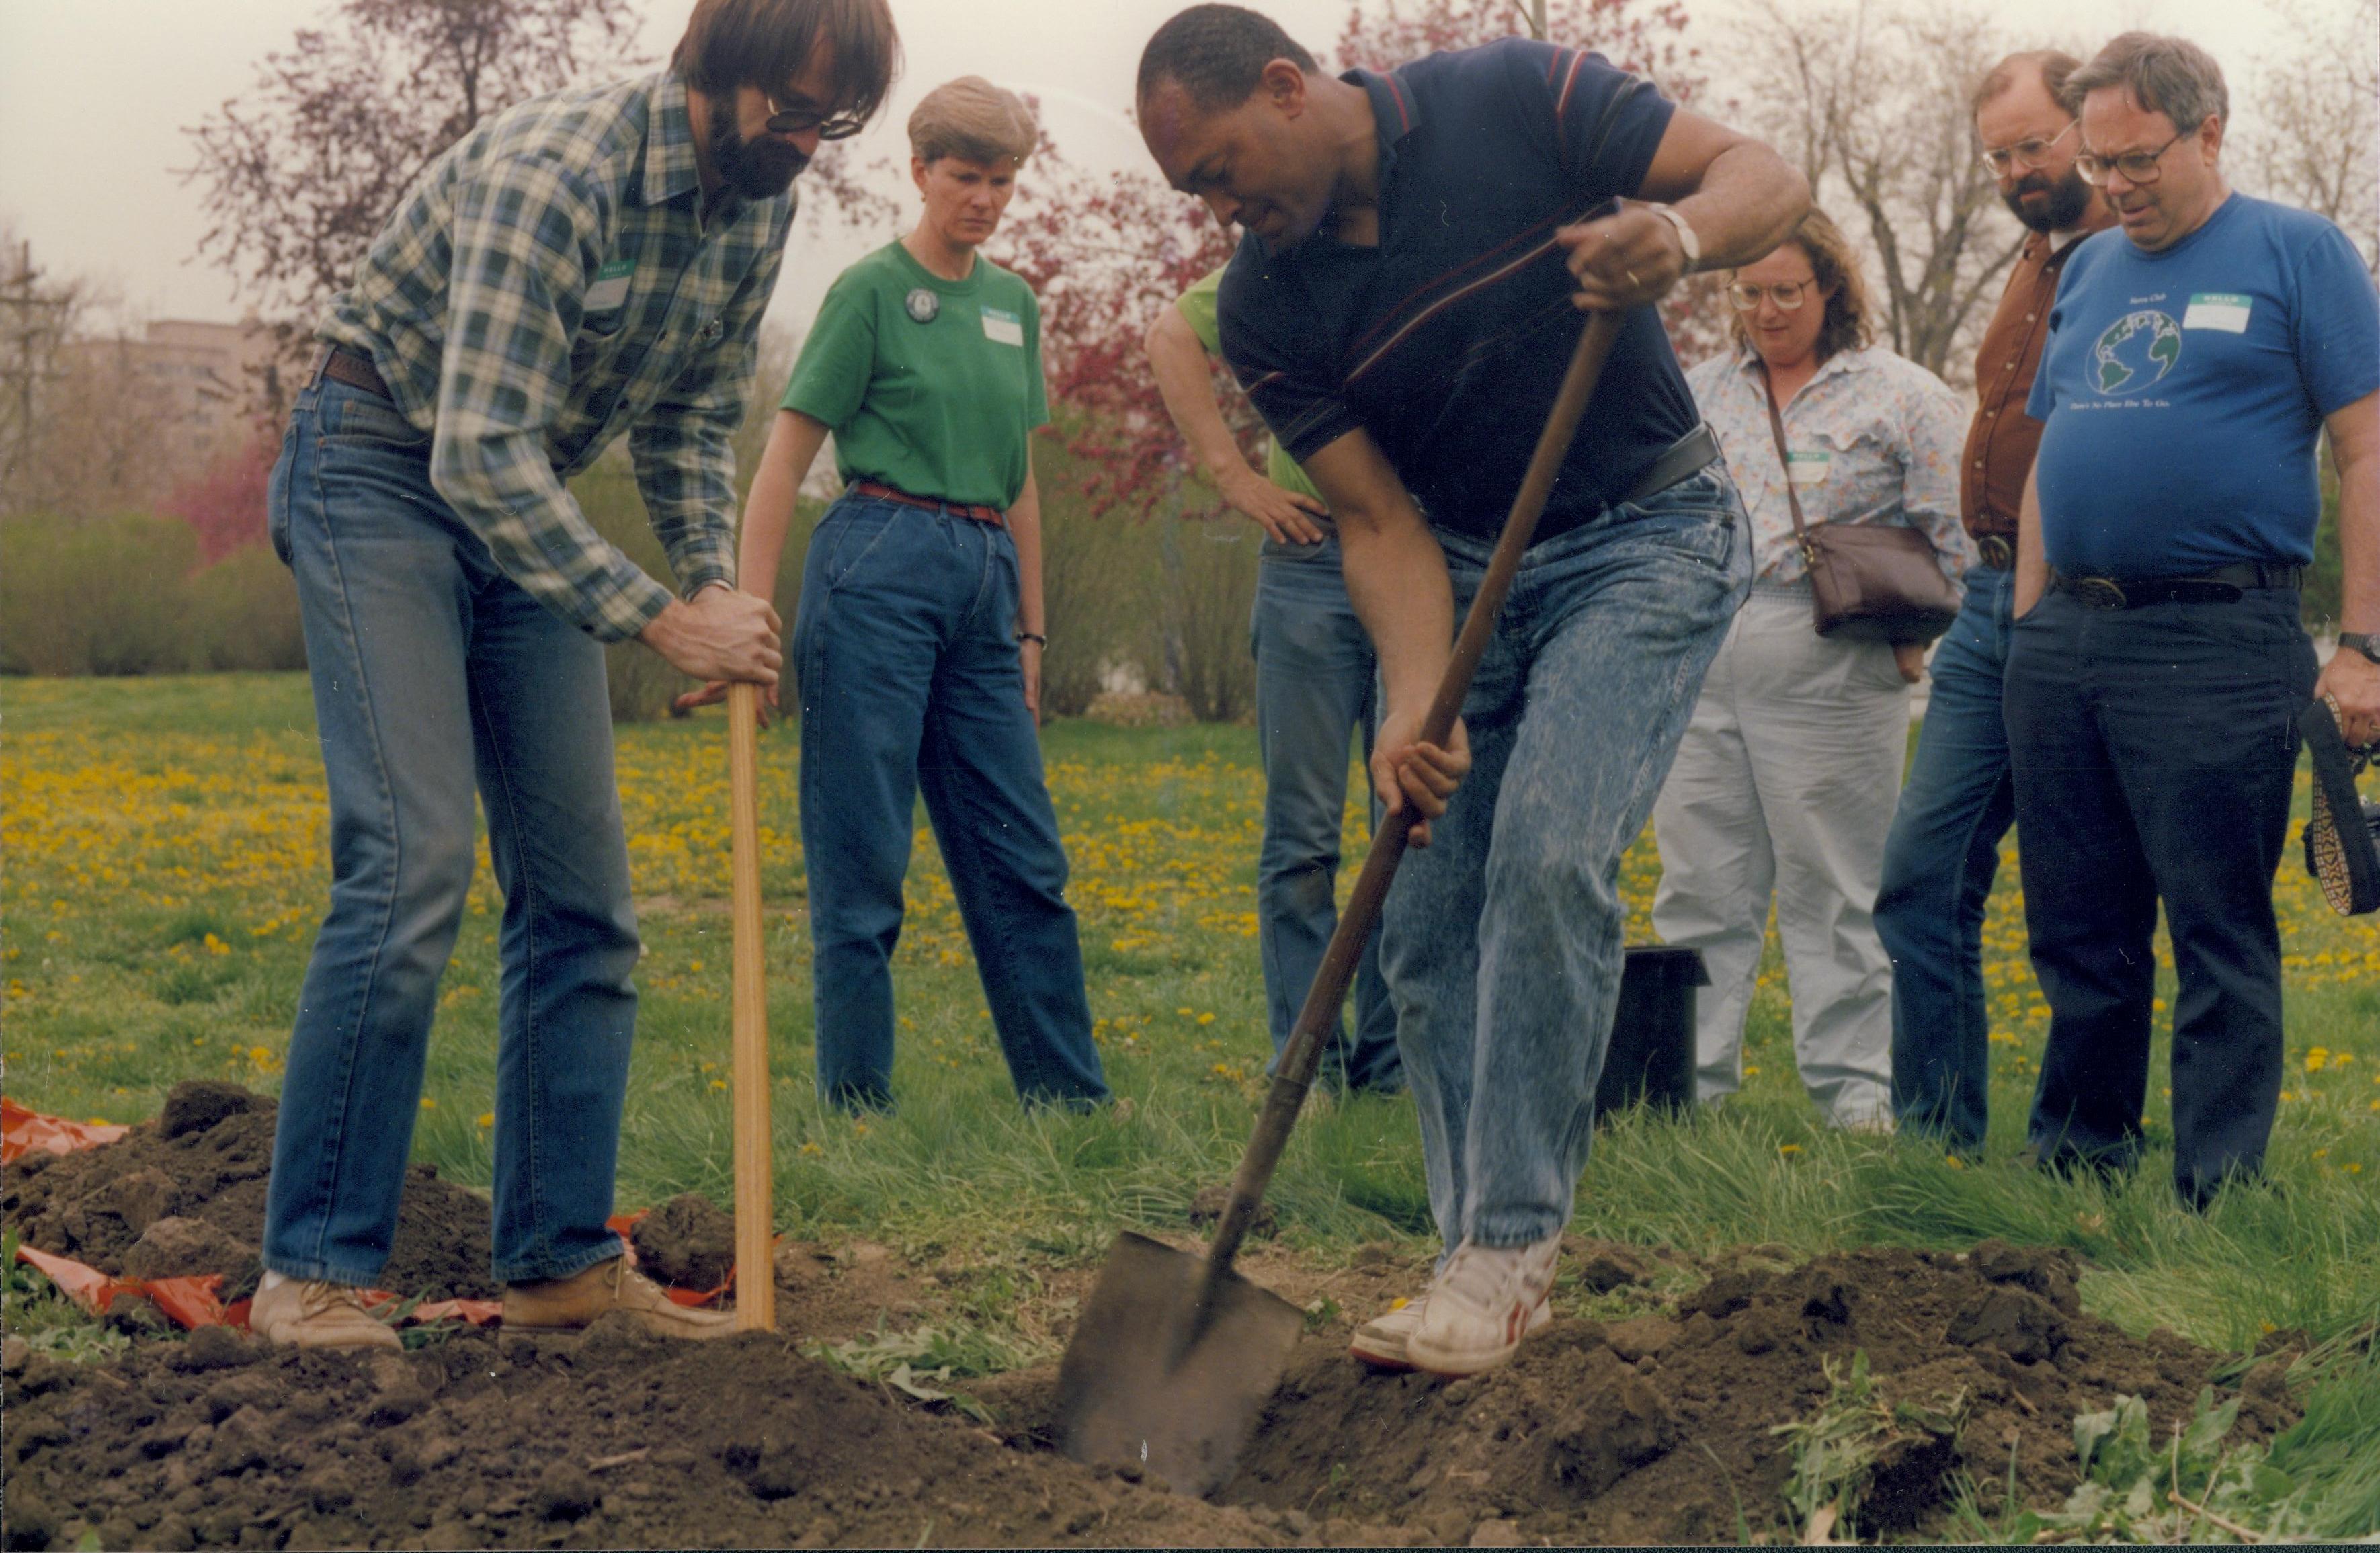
column 923, row 305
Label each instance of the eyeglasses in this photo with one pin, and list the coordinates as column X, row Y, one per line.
column 2028, row 154
column 793, row 121
column 2137, row 166
column 1788, row 295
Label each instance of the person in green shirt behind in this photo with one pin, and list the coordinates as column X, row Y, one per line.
column 918, row 644
column 1315, row 676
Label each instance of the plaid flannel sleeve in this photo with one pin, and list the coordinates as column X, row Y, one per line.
column 685, row 458
column 525, row 236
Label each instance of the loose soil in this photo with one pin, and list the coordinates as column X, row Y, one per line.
column 1656, row 1427
column 184, row 1195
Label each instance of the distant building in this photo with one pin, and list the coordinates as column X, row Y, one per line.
column 207, row 380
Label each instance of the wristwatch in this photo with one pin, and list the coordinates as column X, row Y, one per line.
column 2361, row 641
column 1686, row 238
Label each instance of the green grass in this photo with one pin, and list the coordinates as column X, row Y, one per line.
column 166, row 873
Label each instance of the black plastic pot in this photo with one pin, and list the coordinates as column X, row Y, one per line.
column 1651, row 1059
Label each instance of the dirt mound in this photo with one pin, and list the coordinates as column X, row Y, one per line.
column 1661, row 1428
column 688, row 1240
column 609, row 1440
column 184, row 1194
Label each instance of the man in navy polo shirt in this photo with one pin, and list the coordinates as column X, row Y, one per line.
column 1418, row 254
column 2153, row 695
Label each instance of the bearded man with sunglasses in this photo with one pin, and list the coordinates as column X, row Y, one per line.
column 1960, row 800
column 2158, row 665
column 585, row 264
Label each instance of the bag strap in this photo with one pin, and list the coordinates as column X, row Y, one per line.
column 1785, row 463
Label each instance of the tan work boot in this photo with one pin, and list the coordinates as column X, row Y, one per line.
column 567, row 1305
column 304, row 1312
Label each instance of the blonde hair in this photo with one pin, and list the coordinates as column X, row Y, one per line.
column 975, row 121
column 1834, row 263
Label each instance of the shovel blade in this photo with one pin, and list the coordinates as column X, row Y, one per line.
column 1147, row 1378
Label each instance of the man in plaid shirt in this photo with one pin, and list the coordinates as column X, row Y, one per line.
column 588, row 263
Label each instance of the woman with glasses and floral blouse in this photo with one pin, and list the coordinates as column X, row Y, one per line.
column 916, row 651
column 1785, row 783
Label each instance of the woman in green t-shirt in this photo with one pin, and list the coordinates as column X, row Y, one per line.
column 917, row 646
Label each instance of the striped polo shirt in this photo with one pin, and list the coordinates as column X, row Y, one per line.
column 1448, row 340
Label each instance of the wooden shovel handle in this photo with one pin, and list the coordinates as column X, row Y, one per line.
column 1299, row 1060
column 755, row 1280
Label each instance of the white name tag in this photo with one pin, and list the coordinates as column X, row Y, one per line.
column 1808, row 468
column 1002, row 327
column 2218, row 310
column 611, row 287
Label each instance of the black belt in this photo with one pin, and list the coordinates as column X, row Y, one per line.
column 1689, row 456
column 342, row 365
column 1996, row 550
column 2224, row 585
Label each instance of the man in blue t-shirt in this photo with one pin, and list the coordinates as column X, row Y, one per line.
column 1420, row 250
column 2151, row 699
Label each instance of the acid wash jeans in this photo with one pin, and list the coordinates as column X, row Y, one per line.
column 434, row 673
column 1503, row 936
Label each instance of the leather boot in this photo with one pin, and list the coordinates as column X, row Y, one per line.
column 304, row 1312
column 567, row 1305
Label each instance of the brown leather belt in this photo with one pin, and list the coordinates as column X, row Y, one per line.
column 878, row 491
column 1997, row 550
column 341, row 364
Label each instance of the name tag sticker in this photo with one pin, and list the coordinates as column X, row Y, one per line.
column 611, row 287
column 1002, row 327
column 1808, row 468
column 2218, row 310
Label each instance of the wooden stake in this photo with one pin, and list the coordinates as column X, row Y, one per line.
column 756, row 1278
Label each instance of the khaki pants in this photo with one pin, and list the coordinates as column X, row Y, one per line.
column 1785, row 787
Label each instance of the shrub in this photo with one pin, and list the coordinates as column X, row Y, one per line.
column 244, row 613
column 95, row 596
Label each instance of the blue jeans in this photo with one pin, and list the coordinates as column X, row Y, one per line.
column 907, row 651
column 1502, row 945
column 1315, row 675
column 1939, row 864
column 434, row 673
column 2155, row 751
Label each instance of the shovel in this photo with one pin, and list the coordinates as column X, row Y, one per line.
column 1176, row 1354
column 756, row 1282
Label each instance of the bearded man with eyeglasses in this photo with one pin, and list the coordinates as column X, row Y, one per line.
column 2158, row 665
column 586, row 264
column 1960, row 800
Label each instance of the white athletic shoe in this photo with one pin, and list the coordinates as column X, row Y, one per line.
column 1380, row 1342
column 1484, row 1302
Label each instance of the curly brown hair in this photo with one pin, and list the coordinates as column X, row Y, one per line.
column 1837, row 266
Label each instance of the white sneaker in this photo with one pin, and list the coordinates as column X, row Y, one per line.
column 1384, row 1341
column 1484, row 1302
column 1380, row 1342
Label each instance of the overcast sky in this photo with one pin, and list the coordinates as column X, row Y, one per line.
column 94, row 96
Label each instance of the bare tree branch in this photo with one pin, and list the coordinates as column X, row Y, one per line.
column 300, row 171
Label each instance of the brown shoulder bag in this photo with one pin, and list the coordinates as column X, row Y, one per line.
column 1874, row 580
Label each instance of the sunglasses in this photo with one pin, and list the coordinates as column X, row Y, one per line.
column 793, row 121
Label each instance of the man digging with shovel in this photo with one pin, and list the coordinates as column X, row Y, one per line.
column 588, row 263
column 1420, row 249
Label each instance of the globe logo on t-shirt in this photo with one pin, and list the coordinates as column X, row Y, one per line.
column 2135, row 353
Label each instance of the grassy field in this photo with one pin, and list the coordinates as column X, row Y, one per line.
column 167, row 865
